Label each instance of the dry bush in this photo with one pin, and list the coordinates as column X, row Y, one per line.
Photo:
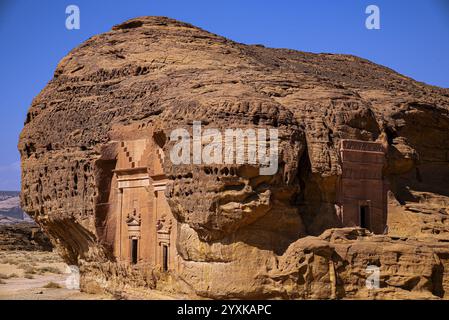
column 5, row 276
column 52, row 285
column 49, row 270
column 33, row 258
column 45, row 258
column 27, row 268
column 10, row 261
column 28, row 276
column 2, row 281
column 50, row 258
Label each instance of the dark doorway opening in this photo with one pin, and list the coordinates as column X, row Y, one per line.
column 165, row 257
column 364, row 217
column 134, row 251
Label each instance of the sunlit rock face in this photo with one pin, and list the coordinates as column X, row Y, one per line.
column 97, row 173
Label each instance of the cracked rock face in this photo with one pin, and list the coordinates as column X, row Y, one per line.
column 264, row 232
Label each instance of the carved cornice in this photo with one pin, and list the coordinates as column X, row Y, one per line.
column 164, row 225
column 133, row 219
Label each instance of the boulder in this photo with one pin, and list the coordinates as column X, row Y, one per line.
column 275, row 236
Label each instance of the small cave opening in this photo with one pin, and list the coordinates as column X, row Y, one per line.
column 317, row 198
column 391, row 134
column 304, row 173
column 304, row 178
column 160, row 138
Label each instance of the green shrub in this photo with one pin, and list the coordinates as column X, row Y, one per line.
column 27, row 268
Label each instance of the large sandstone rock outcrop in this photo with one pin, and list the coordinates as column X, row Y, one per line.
column 154, row 74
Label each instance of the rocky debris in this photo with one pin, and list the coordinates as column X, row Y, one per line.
column 27, row 236
column 408, row 269
column 160, row 74
column 334, row 265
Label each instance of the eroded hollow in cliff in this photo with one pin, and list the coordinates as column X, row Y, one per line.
column 357, row 197
column 74, row 241
column 104, row 172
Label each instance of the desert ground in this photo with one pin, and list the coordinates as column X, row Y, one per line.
column 31, row 270
column 40, row 275
column 37, row 275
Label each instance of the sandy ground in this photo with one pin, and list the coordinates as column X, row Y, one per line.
column 24, row 276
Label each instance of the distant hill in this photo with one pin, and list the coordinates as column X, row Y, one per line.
column 10, row 205
column 8, row 194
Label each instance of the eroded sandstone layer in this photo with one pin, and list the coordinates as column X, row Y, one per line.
column 101, row 127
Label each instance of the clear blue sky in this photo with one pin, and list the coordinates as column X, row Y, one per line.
column 413, row 40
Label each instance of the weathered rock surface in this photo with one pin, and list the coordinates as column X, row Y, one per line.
column 160, row 74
